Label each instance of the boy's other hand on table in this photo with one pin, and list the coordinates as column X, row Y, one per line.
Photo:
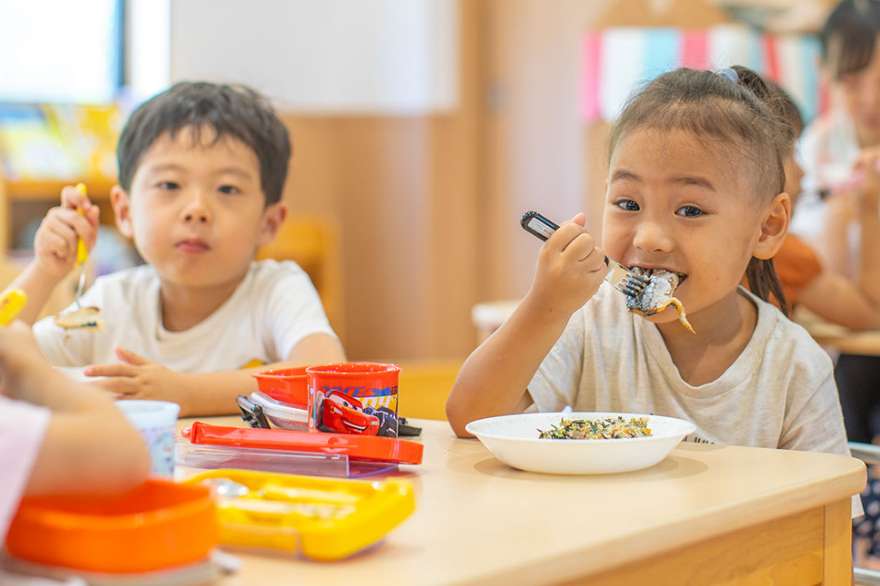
column 135, row 377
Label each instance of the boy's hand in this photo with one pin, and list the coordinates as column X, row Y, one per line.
column 55, row 242
column 138, row 378
column 570, row 269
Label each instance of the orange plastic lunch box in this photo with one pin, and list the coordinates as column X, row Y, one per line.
column 288, row 385
column 156, row 526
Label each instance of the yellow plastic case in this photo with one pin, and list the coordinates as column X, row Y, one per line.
column 319, row 518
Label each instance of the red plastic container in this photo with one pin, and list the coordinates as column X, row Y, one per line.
column 156, row 526
column 354, row 397
column 288, row 385
column 356, row 447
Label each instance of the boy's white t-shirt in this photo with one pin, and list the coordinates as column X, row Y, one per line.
column 22, row 427
column 273, row 308
column 779, row 393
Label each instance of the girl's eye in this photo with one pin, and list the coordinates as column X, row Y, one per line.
column 167, row 185
column 689, row 211
column 627, row 205
column 229, row 189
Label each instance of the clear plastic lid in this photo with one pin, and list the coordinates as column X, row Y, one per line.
column 211, row 457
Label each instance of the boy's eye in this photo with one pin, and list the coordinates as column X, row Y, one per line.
column 229, row 189
column 689, row 211
column 167, row 185
column 627, row 205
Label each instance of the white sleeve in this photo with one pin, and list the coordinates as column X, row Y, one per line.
column 69, row 347
column 293, row 311
column 22, row 427
column 816, row 424
column 557, row 380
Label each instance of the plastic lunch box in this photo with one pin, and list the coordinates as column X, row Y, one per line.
column 155, row 526
column 355, row 447
column 318, row 518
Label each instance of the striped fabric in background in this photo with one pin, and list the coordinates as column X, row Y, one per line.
column 616, row 61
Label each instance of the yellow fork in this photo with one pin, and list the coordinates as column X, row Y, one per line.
column 82, row 253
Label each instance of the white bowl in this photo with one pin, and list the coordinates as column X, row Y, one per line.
column 513, row 439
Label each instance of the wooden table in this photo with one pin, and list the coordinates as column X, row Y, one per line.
column 705, row 515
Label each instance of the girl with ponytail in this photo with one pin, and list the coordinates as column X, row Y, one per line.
column 695, row 187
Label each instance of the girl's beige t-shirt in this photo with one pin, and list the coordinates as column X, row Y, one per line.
column 779, row 393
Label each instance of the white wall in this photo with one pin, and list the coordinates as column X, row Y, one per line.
column 57, row 50
column 148, row 50
column 375, row 56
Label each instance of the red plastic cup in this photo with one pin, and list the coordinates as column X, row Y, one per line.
column 354, row 397
column 288, row 385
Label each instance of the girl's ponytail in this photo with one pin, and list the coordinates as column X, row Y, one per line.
column 761, row 274
column 764, row 282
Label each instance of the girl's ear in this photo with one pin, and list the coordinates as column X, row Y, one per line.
column 273, row 216
column 122, row 210
column 774, row 227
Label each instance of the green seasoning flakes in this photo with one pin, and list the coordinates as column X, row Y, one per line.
column 607, row 428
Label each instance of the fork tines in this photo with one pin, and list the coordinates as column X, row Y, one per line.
column 633, row 285
column 625, row 281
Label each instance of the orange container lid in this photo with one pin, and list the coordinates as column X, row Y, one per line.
column 157, row 525
column 356, row 447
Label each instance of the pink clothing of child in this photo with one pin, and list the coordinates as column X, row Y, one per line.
column 22, row 427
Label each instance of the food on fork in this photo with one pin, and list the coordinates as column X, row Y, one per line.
column 647, row 291
column 84, row 318
column 81, row 318
column 658, row 295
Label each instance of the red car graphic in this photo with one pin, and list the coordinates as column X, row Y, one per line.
column 344, row 414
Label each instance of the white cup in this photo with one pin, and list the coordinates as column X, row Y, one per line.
column 157, row 422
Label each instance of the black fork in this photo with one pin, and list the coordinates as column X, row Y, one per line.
column 623, row 279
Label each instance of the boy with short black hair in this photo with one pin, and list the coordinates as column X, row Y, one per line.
column 202, row 168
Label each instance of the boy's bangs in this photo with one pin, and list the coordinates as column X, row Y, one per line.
column 208, row 113
column 204, row 134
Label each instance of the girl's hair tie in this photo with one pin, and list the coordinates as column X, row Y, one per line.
column 728, row 73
